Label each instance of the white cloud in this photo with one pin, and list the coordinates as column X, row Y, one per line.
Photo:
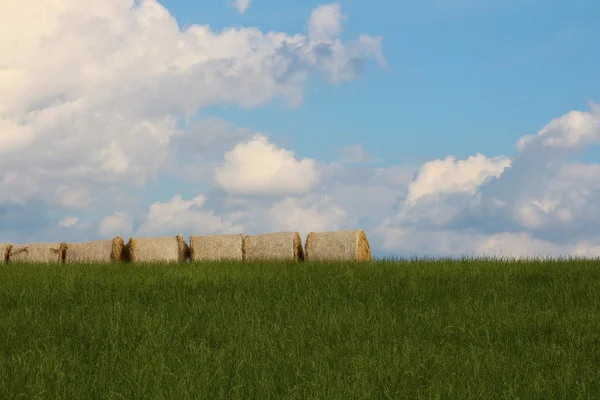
column 311, row 213
column 572, row 130
column 14, row 136
column 258, row 167
column 185, row 217
column 530, row 216
column 454, row 176
column 210, row 136
column 325, row 22
column 193, row 217
column 538, row 201
column 92, row 93
column 74, row 198
column 242, row 5
column 118, row 224
column 450, row 243
column 17, row 187
column 68, row 222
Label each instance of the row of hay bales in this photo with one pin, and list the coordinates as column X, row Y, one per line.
column 319, row 246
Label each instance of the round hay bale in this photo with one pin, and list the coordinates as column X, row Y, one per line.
column 96, row 251
column 157, row 249
column 273, row 246
column 338, row 246
column 38, row 253
column 216, row 247
column 4, row 251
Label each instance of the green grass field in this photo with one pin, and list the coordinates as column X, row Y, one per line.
column 428, row 329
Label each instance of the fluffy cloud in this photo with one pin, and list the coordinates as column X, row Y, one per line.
column 210, row 136
column 476, row 206
column 17, row 187
column 73, row 198
column 571, row 131
column 241, row 5
column 538, row 201
column 303, row 214
column 68, row 222
column 186, row 217
column 93, row 94
column 258, row 167
column 454, row 176
column 444, row 242
column 310, row 213
column 96, row 100
column 117, row 224
column 325, row 22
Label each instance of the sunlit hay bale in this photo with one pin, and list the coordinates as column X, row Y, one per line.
column 157, row 249
column 216, row 247
column 4, row 251
column 273, row 246
column 338, row 246
column 96, row 251
column 38, row 252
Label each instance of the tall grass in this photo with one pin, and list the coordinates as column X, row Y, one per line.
column 421, row 329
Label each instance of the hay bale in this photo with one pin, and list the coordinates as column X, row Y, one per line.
column 96, row 251
column 216, row 247
column 4, row 251
column 38, row 252
column 273, row 246
column 157, row 249
column 338, row 246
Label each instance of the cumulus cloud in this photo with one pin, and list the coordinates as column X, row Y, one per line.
column 454, row 176
column 210, row 136
column 345, row 198
column 573, row 130
column 481, row 205
column 258, row 167
column 114, row 225
column 17, row 187
column 241, row 5
column 310, row 213
column 539, row 200
column 96, row 101
column 68, row 222
column 325, row 22
column 14, row 136
column 451, row 243
column 94, row 92
column 74, row 198
column 185, row 217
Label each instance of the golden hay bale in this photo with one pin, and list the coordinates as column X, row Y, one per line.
column 38, row 252
column 216, row 247
column 4, row 251
column 338, row 246
column 170, row 249
column 96, row 251
column 273, row 246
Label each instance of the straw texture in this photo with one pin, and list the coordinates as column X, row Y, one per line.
column 38, row 252
column 169, row 249
column 4, row 251
column 216, row 247
column 96, row 251
column 338, row 246
column 273, row 246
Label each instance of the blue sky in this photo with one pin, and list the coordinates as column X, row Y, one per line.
column 452, row 127
column 461, row 77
